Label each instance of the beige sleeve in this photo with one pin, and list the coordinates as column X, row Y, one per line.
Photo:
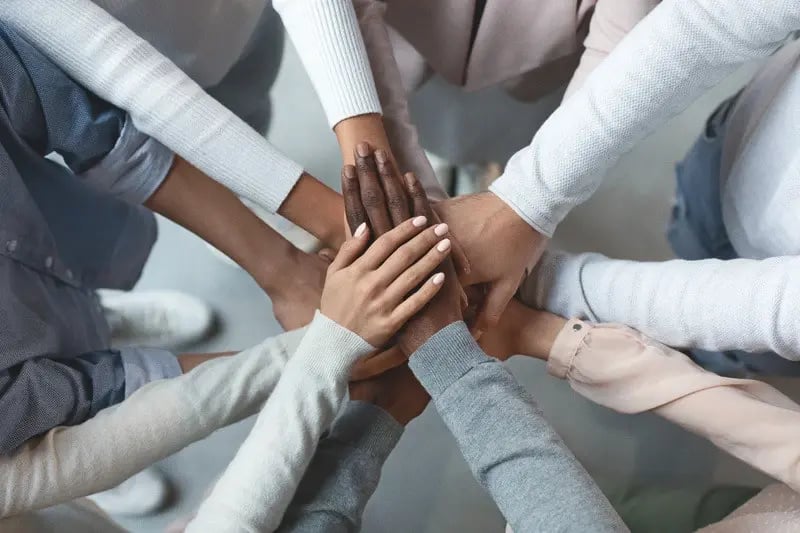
column 611, row 22
column 402, row 134
column 622, row 369
column 158, row 420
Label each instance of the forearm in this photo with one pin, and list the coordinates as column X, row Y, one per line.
column 622, row 369
column 212, row 212
column 535, row 480
column 400, row 131
column 122, row 68
column 674, row 55
column 740, row 304
column 258, row 485
column 72, row 462
column 345, row 471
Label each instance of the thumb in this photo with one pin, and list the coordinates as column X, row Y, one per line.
column 493, row 306
column 352, row 248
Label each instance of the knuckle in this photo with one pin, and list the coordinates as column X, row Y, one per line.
column 396, row 201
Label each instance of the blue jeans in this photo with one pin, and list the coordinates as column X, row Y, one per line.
column 696, row 231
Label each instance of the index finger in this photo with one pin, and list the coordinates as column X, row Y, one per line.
column 351, row 193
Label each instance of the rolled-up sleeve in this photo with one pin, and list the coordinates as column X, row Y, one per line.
column 97, row 140
column 134, row 168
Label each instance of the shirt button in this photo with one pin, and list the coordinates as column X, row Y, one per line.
column 577, row 327
column 11, row 246
column 48, row 262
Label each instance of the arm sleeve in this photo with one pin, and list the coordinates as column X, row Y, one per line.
column 344, row 472
column 622, row 369
column 511, row 449
column 259, row 483
column 96, row 140
column 740, row 304
column 611, row 22
column 401, row 132
column 40, row 394
column 165, row 416
column 674, row 55
column 110, row 60
column 329, row 42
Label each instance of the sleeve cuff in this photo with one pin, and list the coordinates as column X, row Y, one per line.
column 332, row 348
column 329, row 42
column 508, row 189
column 367, row 427
column 134, row 169
column 566, row 347
column 144, row 365
column 445, row 358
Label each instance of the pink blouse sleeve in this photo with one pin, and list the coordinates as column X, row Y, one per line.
column 623, row 370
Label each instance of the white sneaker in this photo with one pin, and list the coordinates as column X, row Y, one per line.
column 139, row 495
column 293, row 233
column 157, row 319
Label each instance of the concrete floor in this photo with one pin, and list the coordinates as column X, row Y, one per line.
column 426, row 486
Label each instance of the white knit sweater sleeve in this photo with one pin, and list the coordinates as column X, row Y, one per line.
column 740, row 304
column 327, row 38
column 158, row 420
column 668, row 60
column 259, row 484
column 106, row 57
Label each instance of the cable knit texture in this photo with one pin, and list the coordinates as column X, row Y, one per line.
column 676, row 53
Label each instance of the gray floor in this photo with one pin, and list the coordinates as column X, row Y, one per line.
column 426, row 485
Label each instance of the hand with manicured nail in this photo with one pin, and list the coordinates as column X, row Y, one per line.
column 374, row 195
column 374, row 290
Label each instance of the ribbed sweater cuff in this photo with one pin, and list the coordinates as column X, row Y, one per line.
column 368, row 427
column 328, row 39
column 334, row 349
column 445, row 358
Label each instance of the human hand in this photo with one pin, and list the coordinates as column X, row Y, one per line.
column 297, row 294
column 397, row 392
column 500, row 247
column 374, row 193
column 375, row 294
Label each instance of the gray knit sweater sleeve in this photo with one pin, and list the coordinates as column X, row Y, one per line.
column 344, row 472
column 511, row 449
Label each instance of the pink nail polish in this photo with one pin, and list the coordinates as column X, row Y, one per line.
column 444, row 245
column 360, row 230
column 438, row 279
column 441, row 230
column 419, row 222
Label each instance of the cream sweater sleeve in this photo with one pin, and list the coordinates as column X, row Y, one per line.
column 621, row 369
column 680, row 50
column 259, row 484
column 740, row 304
column 327, row 38
column 106, row 57
column 158, row 420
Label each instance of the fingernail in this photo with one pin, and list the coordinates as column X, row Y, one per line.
column 441, row 230
column 444, row 245
column 381, row 156
column 438, row 279
column 360, row 230
column 350, row 172
column 362, row 149
column 419, row 222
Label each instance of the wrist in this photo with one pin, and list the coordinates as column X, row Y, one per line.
column 274, row 269
column 316, row 208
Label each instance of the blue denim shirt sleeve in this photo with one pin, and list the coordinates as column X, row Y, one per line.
column 96, row 140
